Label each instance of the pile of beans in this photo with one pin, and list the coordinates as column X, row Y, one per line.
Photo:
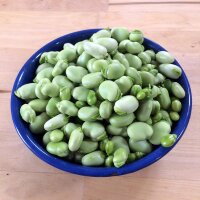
column 104, row 101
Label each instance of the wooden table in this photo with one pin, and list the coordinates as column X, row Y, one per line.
column 27, row 25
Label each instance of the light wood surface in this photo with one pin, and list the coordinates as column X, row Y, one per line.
column 25, row 26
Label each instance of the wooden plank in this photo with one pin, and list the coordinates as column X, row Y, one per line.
column 121, row 2
column 174, row 8
column 43, row 186
column 131, row 187
column 15, row 156
column 182, row 27
column 50, row 5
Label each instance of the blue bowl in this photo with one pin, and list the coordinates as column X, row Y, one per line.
column 26, row 75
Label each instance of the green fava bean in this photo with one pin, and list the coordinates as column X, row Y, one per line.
column 79, row 47
column 109, row 43
column 95, row 50
column 133, row 73
column 80, row 104
column 120, row 33
column 38, row 88
column 103, row 144
column 147, row 78
column 109, row 161
column 42, row 58
column 168, row 84
column 59, row 68
column 97, row 65
column 83, row 59
column 67, row 107
column 112, row 130
column 124, row 83
column 68, row 53
column 136, row 36
column 160, row 129
column 141, row 95
column 75, row 139
column 62, row 81
column 37, row 127
column 164, row 57
column 141, row 146
column 166, row 117
column 27, row 113
column 80, row 93
column 159, row 78
column 65, row 93
column 133, row 47
column 174, row 116
column 144, row 111
column 94, row 130
column 45, row 73
column 76, row 73
column 58, row 148
column 88, row 146
column 149, row 121
column 164, row 98
column 90, row 65
column 113, row 71
column 138, row 131
column 26, row 91
column 151, row 54
column 105, row 109
column 95, row 158
column 157, row 117
column 134, row 61
column 176, row 105
column 51, row 107
column 43, row 66
column 46, row 138
column 101, row 34
column 120, row 142
column 91, row 98
column 88, row 113
column 120, row 121
column 145, row 57
column 56, row 122
column 39, row 105
column 92, row 80
column 50, row 57
column 122, row 59
column 120, row 157
column 109, row 90
column 135, row 89
column 50, row 89
column 68, row 128
column 155, row 91
column 125, row 105
column 131, row 157
column 109, row 148
column 177, row 90
column 121, row 47
column 78, row 157
column 56, row 135
column 168, row 140
column 139, row 154
column 170, row 70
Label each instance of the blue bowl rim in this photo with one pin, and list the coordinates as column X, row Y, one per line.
column 93, row 171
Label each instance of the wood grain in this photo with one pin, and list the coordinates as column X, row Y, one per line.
column 25, row 27
column 129, row 2
column 51, row 5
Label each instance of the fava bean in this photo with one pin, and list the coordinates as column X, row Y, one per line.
column 27, row 113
